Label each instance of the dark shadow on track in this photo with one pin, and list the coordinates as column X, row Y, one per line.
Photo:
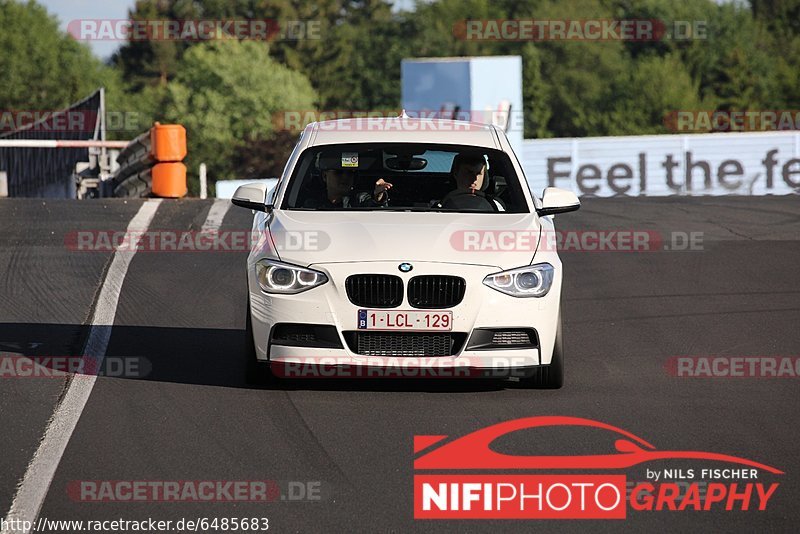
column 201, row 356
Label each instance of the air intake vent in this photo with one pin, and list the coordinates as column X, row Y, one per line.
column 305, row 335
column 513, row 337
column 397, row 344
column 503, row 338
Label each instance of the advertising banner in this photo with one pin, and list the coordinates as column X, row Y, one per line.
column 764, row 163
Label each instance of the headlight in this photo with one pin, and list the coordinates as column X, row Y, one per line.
column 284, row 278
column 530, row 281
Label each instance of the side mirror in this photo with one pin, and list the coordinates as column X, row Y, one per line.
column 557, row 200
column 251, row 196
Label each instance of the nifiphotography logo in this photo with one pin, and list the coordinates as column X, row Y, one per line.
column 577, row 486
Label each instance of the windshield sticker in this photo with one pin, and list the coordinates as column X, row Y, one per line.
column 349, row 159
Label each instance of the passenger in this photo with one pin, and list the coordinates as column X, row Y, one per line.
column 339, row 192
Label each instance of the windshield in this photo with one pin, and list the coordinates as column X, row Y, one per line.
column 405, row 177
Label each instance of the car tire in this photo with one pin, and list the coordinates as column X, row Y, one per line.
column 551, row 376
column 257, row 372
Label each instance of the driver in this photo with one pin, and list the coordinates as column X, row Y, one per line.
column 469, row 173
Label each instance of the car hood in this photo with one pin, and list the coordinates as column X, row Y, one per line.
column 305, row 238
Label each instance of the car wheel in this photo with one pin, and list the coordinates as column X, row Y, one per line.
column 551, row 376
column 257, row 372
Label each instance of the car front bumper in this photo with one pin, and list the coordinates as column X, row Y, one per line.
column 481, row 308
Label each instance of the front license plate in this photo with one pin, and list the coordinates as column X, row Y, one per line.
column 405, row 320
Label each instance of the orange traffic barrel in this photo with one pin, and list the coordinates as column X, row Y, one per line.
column 168, row 142
column 169, row 180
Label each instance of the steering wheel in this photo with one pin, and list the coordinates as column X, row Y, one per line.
column 465, row 198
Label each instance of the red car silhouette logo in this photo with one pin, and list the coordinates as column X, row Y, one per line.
column 473, row 450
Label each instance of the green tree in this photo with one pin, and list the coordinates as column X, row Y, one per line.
column 229, row 94
column 535, row 94
column 581, row 76
column 153, row 62
column 780, row 23
column 738, row 65
column 657, row 87
column 353, row 60
column 357, row 65
column 786, row 72
column 781, row 16
column 43, row 68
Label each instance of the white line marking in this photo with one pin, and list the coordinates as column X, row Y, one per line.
column 32, row 491
column 215, row 215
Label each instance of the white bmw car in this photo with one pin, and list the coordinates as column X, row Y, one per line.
column 410, row 243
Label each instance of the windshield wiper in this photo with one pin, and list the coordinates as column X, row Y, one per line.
column 372, row 208
column 412, row 208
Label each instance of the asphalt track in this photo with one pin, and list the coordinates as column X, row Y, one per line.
column 193, row 416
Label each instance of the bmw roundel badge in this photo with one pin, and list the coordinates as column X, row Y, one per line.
column 405, row 267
